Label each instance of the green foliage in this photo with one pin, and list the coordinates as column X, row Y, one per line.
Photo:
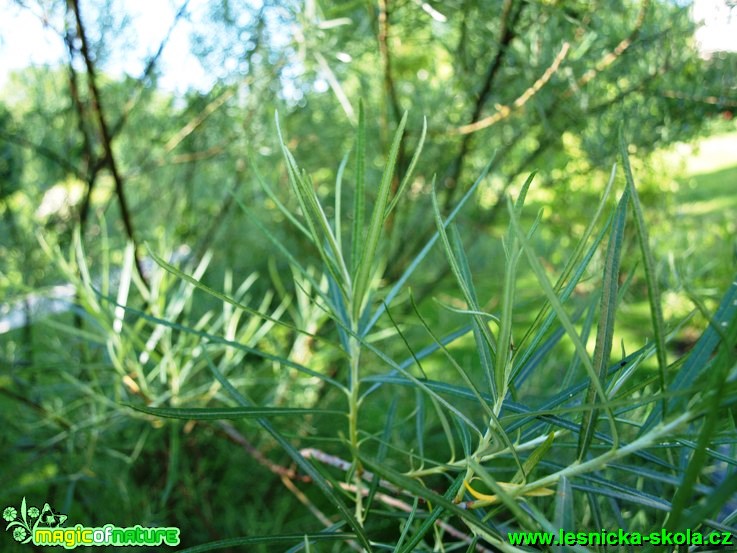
column 317, row 335
column 11, row 164
column 457, row 431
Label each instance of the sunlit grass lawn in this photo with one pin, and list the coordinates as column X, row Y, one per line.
column 699, row 243
column 692, row 224
column 706, row 204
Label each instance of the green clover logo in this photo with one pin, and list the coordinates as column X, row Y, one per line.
column 19, row 534
column 24, row 522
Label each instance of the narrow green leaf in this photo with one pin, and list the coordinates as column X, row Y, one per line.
column 338, row 202
column 219, row 413
column 373, row 233
column 408, row 175
column 330, row 530
column 632, row 497
column 482, row 346
column 560, row 312
column 564, row 513
column 224, row 297
column 463, row 373
column 172, row 472
column 719, row 372
column 406, row 525
column 653, row 291
column 359, row 199
column 280, row 206
column 487, row 339
column 572, row 274
column 505, row 343
column 399, row 285
column 381, row 454
column 430, row 520
column 698, row 360
column 441, row 502
column 494, row 426
column 293, row 262
column 534, row 459
column 715, row 499
column 605, row 329
column 317, row 222
column 230, row 343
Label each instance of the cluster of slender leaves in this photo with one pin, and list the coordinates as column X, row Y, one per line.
column 615, row 445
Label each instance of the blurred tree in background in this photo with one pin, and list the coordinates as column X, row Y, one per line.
column 539, row 84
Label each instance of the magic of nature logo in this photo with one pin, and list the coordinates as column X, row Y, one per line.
column 44, row 527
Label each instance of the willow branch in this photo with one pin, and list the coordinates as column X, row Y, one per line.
column 620, row 49
column 105, row 135
column 507, row 32
column 190, row 127
column 91, row 164
column 502, row 112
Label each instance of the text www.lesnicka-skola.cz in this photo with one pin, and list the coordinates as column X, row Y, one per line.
column 621, row 537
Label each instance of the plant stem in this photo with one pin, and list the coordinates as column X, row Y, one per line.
column 353, row 406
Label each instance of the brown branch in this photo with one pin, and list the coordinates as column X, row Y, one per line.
column 316, row 512
column 190, row 127
column 392, row 501
column 91, row 169
column 620, row 49
column 100, row 162
column 502, row 112
column 506, row 35
column 105, row 135
column 507, row 32
column 259, row 457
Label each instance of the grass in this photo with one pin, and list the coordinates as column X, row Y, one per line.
column 709, row 193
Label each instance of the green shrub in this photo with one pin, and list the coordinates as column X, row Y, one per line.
column 390, row 425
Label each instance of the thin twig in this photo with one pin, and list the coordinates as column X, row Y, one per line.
column 90, row 168
column 507, row 33
column 619, row 49
column 317, row 513
column 342, row 464
column 502, row 112
column 105, row 136
column 386, row 58
column 407, row 508
column 190, row 127
column 259, row 457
